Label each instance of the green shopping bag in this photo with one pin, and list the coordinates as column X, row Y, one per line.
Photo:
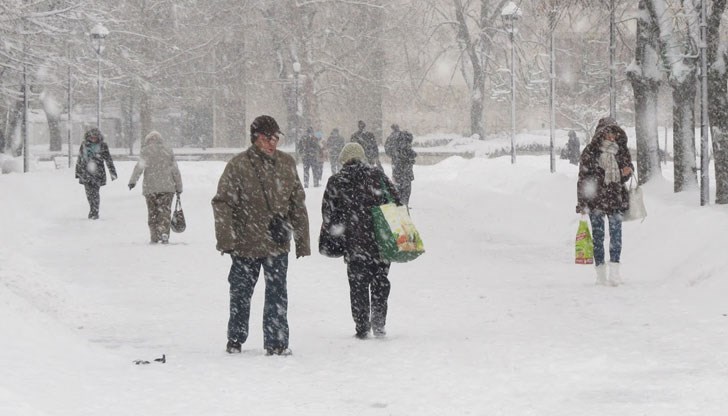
column 584, row 244
column 397, row 237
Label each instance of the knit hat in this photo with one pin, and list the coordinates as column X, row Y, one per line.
column 352, row 151
column 264, row 124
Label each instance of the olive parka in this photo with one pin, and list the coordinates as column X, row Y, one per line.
column 241, row 212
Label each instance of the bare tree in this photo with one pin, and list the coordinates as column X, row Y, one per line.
column 679, row 54
column 718, row 100
column 645, row 75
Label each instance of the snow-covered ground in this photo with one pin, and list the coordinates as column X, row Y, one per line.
column 495, row 319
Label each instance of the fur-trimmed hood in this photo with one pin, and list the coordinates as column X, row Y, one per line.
column 605, row 125
column 93, row 132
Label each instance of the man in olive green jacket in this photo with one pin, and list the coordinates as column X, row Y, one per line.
column 259, row 203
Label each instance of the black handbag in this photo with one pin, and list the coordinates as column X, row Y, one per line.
column 178, row 223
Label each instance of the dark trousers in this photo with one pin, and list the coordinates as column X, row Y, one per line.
column 159, row 214
column 93, row 195
column 368, row 278
column 243, row 276
column 404, row 188
column 318, row 173
column 308, row 165
column 615, row 236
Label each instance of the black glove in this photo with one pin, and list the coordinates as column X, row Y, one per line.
column 131, row 186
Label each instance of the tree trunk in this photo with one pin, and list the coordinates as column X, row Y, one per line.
column 145, row 112
column 718, row 103
column 13, row 144
column 718, row 116
column 644, row 75
column 127, row 115
column 54, row 130
column 477, row 118
column 645, row 108
column 54, row 121
column 470, row 49
column 683, row 134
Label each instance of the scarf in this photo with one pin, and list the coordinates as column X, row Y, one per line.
column 608, row 162
column 91, row 149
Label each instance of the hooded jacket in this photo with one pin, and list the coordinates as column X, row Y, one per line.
column 91, row 158
column 592, row 192
column 157, row 163
column 348, row 227
column 242, row 215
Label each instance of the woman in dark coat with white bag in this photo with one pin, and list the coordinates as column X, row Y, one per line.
column 348, row 230
column 605, row 166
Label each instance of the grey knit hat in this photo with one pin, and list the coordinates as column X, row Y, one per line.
column 350, row 152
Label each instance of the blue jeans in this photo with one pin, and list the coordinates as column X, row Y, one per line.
column 243, row 276
column 615, row 236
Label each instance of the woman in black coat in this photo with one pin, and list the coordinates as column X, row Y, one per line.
column 604, row 167
column 90, row 171
column 348, row 230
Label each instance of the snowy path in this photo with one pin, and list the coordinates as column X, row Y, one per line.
column 493, row 320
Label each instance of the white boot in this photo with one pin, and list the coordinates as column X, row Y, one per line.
column 615, row 279
column 602, row 275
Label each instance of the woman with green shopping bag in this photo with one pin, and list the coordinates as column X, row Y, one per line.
column 348, row 231
column 604, row 167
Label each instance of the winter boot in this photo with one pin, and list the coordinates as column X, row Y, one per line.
column 602, row 275
column 615, row 279
column 278, row 351
column 233, row 347
column 165, row 239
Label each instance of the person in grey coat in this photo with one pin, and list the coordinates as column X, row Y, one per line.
column 162, row 180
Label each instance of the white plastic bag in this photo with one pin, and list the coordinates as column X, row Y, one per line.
column 637, row 210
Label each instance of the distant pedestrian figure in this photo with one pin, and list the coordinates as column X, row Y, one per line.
column 334, row 143
column 90, row 170
column 573, row 148
column 348, row 230
column 318, row 171
column 368, row 142
column 161, row 181
column 399, row 148
column 310, row 154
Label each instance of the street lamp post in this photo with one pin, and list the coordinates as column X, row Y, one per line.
column 510, row 13
column 296, row 72
column 98, row 35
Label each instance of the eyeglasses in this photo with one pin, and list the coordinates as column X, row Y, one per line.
column 272, row 138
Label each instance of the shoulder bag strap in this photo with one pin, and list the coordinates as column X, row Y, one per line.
column 385, row 190
column 260, row 181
